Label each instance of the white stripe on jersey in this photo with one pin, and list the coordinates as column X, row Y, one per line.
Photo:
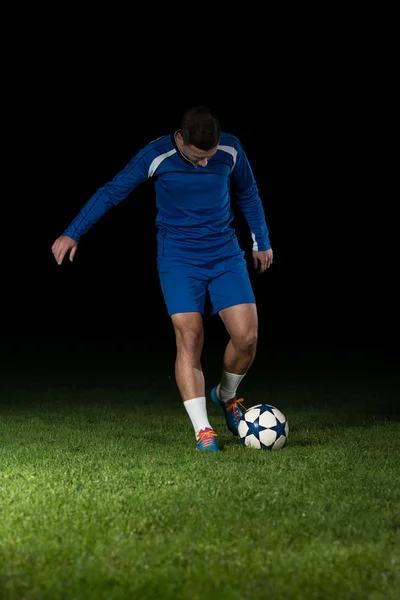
column 157, row 161
column 230, row 150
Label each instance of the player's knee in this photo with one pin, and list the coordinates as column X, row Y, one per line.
column 251, row 342
column 189, row 341
column 246, row 343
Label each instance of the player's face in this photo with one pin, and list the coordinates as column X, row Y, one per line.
column 198, row 157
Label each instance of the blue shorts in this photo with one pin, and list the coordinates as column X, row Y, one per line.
column 206, row 288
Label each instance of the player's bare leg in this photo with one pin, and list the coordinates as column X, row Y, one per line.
column 241, row 323
column 189, row 336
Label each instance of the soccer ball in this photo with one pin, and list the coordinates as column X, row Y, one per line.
column 263, row 427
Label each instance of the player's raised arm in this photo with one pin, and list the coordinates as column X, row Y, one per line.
column 107, row 196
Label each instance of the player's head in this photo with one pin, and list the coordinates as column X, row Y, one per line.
column 199, row 134
column 200, row 128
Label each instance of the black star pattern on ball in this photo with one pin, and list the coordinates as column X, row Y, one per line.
column 255, row 428
column 266, row 408
column 279, row 428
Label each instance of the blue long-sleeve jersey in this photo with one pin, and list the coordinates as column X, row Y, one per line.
column 194, row 210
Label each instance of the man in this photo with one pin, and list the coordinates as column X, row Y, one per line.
column 194, row 171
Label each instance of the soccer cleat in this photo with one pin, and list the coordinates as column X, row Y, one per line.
column 231, row 409
column 206, row 440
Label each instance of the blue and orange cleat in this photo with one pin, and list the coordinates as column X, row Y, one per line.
column 206, row 440
column 231, row 410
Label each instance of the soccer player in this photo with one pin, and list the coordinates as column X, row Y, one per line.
column 195, row 170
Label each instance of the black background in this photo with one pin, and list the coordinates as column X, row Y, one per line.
column 332, row 213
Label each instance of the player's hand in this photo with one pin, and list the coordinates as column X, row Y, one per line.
column 263, row 259
column 61, row 246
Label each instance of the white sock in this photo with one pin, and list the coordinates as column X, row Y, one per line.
column 229, row 383
column 196, row 409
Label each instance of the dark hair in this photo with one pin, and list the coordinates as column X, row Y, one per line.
column 200, row 127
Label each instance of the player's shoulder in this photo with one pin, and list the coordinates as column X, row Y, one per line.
column 154, row 153
column 155, row 148
column 231, row 146
column 229, row 139
column 159, row 145
column 162, row 140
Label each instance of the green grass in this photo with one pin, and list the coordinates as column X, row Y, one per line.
column 104, row 497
